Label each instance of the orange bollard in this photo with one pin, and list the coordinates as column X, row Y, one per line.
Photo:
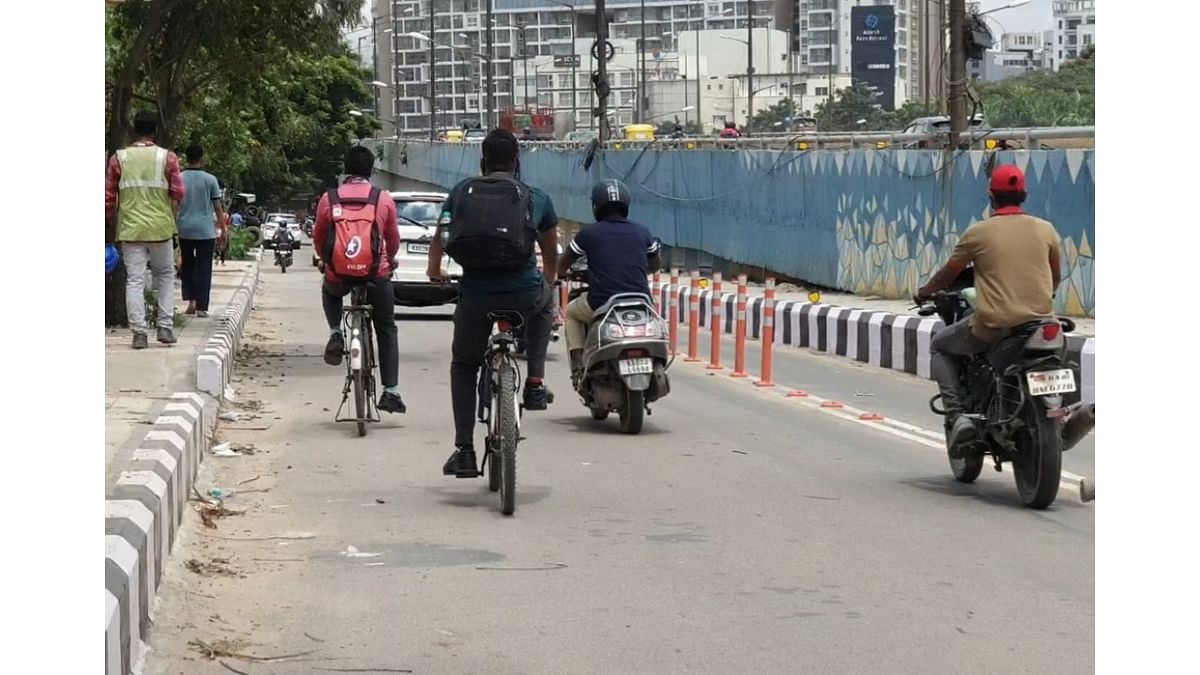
column 694, row 319
column 739, row 344
column 656, row 293
column 714, row 318
column 768, row 335
column 670, row 315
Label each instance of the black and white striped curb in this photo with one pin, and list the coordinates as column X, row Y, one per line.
column 142, row 515
column 882, row 339
column 214, row 365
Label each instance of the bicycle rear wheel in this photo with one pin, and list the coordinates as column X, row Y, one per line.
column 506, row 426
column 360, row 379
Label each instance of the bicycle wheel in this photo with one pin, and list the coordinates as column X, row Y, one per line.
column 360, row 383
column 506, row 425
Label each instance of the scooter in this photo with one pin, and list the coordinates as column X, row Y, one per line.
column 625, row 358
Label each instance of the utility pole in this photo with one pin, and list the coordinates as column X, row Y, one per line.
column 524, row 61
column 432, row 76
column 491, row 54
column 699, row 116
column 600, row 51
column 958, row 71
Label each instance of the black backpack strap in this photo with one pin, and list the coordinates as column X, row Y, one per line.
column 332, row 194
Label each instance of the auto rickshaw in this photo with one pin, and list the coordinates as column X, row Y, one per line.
column 639, row 132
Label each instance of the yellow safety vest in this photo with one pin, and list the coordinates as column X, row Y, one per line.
column 144, row 208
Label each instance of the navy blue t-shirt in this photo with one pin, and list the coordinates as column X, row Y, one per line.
column 617, row 252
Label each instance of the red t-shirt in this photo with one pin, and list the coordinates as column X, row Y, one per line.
column 385, row 216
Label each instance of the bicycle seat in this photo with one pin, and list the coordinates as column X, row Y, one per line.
column 513, row 319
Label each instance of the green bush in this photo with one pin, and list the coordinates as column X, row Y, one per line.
column 240, row 243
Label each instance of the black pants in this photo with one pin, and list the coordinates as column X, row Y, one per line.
column 196, row 272
column 383, row 315
column 472, row 329
column 946, row 352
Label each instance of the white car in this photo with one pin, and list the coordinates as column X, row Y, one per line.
column 273, row 223
column 418, row 213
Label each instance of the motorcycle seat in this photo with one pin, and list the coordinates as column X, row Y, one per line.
column 622, row 300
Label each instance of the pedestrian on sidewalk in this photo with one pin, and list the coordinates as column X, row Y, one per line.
column 142, row 191
column 201, row 218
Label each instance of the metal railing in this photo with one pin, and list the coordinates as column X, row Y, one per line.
column 1028, row 138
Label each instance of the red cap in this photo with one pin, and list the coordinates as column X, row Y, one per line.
column 1007, row 178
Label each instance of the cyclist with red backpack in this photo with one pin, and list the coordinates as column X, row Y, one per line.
column 357, row 230
column 488, row 225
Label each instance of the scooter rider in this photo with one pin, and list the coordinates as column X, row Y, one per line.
column 1017, row 269
column 620, row 254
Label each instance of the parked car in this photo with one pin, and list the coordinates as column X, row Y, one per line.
column 940, row 125
column 581, row 136
column 276, row 220
column 475, row 135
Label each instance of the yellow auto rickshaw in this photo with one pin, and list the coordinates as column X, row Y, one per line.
column 454, row 136
column 639, row 132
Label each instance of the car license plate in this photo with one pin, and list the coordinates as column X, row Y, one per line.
column 636, row 366
column 1049, row 382
column 418, row 248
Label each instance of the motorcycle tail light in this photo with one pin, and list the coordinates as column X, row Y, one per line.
column 1050, row 331
column 503, row 326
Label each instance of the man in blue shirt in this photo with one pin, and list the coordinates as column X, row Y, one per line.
column 620, row 254
column 198, row 216
column 484, row 291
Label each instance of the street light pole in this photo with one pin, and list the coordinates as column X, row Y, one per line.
column 600, row 50
column 491, row 89
column 699, row 118
column 432, row 75
column 641, row 102
column 749, row 64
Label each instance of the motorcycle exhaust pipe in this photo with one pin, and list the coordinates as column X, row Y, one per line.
column 554, row 336
column 1081, row 419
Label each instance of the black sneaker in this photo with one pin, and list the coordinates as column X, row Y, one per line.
column 140, row 341
column 959, row 436
column 391, row 403
column 167, row 336
column 334, row 349
column 461, row 464
column 537, row 397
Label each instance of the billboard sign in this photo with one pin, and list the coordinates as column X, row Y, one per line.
column 873, row 50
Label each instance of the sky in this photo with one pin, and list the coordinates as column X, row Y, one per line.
column 1034, row 17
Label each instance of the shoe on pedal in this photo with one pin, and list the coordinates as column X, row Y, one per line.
column 391, row 403
column 537, row 396
column 461, row 464
column 334, row 349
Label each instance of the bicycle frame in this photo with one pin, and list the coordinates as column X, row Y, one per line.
column 499, row 355
column 356, row 326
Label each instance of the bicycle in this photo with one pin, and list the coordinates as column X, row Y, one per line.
column 499, row 408
column 360, row 366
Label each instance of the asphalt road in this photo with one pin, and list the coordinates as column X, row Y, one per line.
column 740, row 533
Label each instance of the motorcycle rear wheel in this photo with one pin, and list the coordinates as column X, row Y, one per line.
column 1037, row 467
column 967, row 469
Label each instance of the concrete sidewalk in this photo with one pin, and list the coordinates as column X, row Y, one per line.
column 137, row 384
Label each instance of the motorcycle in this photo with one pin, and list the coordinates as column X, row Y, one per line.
column 625, row 357
column 1013, row 395
column 283, row 258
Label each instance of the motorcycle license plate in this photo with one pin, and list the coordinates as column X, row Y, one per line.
column 636, row 366
column 418, row 248
column 1050, row 382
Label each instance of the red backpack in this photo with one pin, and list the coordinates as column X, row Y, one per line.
column 354, row 246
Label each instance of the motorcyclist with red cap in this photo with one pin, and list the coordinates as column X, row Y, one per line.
column 1017, row 269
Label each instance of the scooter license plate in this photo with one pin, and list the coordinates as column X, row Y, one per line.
column 636, row 366
column 1050, row 382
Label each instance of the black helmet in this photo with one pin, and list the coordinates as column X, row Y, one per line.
column 610, row 196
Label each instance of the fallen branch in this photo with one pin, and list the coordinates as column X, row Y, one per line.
column 232, row 669
column 365, row 670
column 314, row 639
column 249, row 480
column 284, row 537
column 547, row 566
column 223, row 649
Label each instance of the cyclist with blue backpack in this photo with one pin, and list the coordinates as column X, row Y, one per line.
column 357, row 229
column 488, row 225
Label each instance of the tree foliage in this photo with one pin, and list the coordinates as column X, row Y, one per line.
column 265, row 85
column 1044, row 98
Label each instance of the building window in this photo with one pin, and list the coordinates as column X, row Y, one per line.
column 564, row 100
column 821, row 91
column 708, row 87
column 720, row 87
